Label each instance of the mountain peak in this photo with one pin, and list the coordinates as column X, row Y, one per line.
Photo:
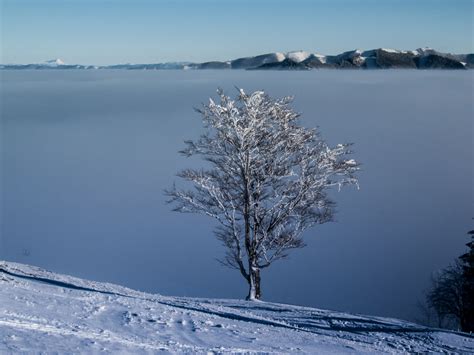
column 57, row 61
column 297, row 56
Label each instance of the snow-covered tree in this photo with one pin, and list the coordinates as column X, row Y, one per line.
column 267, row 182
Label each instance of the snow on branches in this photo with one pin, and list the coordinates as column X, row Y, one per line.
column 268, row 179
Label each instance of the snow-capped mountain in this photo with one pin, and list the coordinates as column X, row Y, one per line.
column 380, row 58
column 252, row 62
column 49, row 64
column 41, row 311
column 55, row 62
column 297, row 56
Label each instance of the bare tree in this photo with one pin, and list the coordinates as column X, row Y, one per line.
column 267, row 183
column 467, row 261
column 452, row 292
column 446, row 296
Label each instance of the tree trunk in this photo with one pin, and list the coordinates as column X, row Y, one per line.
column 258, row 292
column 255, row 292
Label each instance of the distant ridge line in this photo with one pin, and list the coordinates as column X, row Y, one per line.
column 380, row 58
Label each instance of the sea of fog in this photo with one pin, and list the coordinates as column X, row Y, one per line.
column 86, row 155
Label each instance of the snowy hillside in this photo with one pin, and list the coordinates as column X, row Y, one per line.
column 44, row 311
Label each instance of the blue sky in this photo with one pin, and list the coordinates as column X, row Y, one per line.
column 120, row 31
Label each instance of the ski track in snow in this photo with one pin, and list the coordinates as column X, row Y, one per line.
column 46, row 312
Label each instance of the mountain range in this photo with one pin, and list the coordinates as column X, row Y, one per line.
column 381, row 58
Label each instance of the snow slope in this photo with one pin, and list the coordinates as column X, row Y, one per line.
column 297, row 56
column 42, row 311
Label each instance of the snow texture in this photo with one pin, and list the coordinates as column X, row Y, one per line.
column 298, row 56
column 43, row 311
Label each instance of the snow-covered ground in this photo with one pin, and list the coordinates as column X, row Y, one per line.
column 41, row 311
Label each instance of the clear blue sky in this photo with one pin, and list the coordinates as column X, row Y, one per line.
column 119, row 31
